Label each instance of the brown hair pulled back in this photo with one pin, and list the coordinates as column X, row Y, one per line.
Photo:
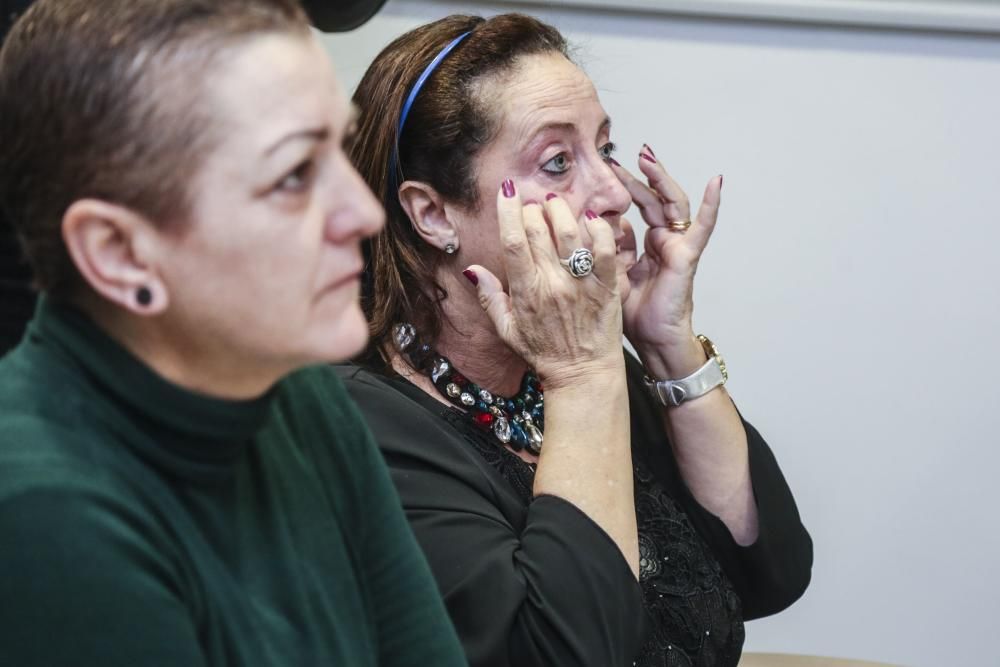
column 449, row 123
column 100, row 99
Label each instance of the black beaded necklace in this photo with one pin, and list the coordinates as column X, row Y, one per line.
column 517, row 421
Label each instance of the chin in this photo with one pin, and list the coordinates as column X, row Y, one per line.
column 343, row 339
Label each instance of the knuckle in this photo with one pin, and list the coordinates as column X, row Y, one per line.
column 514, row 243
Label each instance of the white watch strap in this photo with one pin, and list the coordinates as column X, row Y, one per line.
column 674, row 392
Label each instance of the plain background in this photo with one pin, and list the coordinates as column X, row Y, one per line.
column 851, row 285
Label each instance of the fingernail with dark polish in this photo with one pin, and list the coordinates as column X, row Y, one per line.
column 550, row 196
column 613, row 161
column 471, row 275
column 721, row 178
column 508, row 188
column 648, row 157
column 590, row 214
column 646, row 146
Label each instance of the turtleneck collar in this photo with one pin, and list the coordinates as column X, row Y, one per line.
column 195, row 427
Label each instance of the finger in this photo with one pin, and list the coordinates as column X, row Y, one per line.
column 605, row 266
column 627, row 246
column 492, row 298
column 565, row 228
column 537, row 231
column 673, row 196
column 644, row 197
column 708, row 214
column 517, row 257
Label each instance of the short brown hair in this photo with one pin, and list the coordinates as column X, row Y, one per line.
column 99, row 99
column 448, row 124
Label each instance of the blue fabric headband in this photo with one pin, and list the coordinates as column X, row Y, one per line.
column 413, row 95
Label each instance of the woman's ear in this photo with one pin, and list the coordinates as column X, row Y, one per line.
column 426, row 210
column 113, row 248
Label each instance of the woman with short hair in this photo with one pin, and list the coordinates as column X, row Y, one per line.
column 183, row 480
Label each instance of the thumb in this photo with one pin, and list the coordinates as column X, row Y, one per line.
column 492, row 298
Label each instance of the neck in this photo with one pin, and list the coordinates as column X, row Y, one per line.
column 477, row 352
column 183, row 360
column 469, row 339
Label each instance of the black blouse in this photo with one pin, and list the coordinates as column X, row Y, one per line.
column 534, row 581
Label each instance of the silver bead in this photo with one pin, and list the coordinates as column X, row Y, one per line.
column 468, row 399
column 453, row 389
column 440, row 368
column 486, row 396
column 501, row 429
column 403, row 336
column 535, row 438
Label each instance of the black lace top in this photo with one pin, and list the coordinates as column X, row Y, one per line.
column 517, row 602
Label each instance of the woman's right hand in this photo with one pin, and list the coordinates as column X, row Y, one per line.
column 566, row 328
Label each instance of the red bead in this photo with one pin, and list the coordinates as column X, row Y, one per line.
column 483, row 418
column 458, row 379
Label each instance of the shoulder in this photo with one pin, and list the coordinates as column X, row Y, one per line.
column 394, row 416
column 50, row 429
column 425, row 453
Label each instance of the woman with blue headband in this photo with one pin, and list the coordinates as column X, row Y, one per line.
column 578, row 506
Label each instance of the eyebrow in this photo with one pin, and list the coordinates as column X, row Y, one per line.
column 313, row 134
column 565, row 126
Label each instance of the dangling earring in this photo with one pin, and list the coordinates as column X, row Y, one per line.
column 143, row 296
column 450, row 249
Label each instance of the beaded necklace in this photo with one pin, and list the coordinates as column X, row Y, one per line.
column 517, row 421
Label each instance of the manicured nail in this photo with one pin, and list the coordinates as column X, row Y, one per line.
column 508, row 188
column 550, row 196
column 648, row 157
column 471, row 275
column 613, row 161
column 646, row 146
column 721, row 178
column 590, row 214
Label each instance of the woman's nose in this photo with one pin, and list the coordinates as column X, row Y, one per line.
column 360, row 215
column 610, row 199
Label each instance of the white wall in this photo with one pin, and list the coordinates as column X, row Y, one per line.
column 851, row 286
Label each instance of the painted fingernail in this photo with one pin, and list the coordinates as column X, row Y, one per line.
column 471, row 275
column 508, row 188
column 590, row 214
column 550, row 196
column 648, row 157
column 646, row 146
column 613, row 161
column 721, row 178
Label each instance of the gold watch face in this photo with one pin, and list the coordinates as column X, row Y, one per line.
column 713, row 351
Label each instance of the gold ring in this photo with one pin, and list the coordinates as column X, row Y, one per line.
column 679, row 225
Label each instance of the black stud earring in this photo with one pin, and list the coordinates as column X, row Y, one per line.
column 143, row 296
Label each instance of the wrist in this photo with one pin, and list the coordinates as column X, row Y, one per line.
column 583, row 378
column 673, row 361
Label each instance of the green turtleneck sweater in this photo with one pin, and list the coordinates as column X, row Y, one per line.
column 142, row 524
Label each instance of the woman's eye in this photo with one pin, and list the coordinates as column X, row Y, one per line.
column 297, row 180
column 557, row 165
column 607, row 151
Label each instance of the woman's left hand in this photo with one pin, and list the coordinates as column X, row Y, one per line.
column 657, row 312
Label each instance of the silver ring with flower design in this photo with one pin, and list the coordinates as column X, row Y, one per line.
column 580, row 263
